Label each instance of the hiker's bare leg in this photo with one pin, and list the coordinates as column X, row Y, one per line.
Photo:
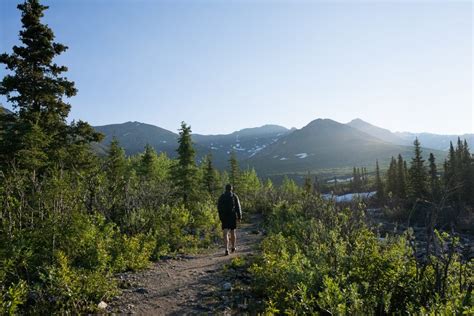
column 232, row 238
column 226, row 238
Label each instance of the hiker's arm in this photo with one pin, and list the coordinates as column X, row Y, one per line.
column 238, row 210
column 220, row 208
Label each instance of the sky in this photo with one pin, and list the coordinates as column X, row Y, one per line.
column 222, row 66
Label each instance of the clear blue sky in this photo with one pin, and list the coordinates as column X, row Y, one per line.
column 226, row 65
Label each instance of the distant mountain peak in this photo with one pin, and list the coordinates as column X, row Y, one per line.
column 375, row 131
column 358, row 120
column 322, row 122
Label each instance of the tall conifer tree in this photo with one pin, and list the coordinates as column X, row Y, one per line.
column 36, row 88
column 234, row 170
column 417, row 174
column 210, row 175
column 434, row 181
column 401, row 175
column 185, row 171
column 379, row 184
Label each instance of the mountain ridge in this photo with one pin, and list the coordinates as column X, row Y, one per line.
column 429, row 140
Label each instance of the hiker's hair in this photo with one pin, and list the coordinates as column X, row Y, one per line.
column 228, row 187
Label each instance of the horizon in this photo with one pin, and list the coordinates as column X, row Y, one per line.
column 279, row 125
column 264, row 63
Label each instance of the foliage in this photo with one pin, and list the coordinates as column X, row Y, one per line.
column 38, row 135
column 318, row 258
column 185, row 171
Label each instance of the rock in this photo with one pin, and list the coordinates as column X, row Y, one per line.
column 227, row 311
column 130, row 306
column 141, row 290
column 227, row 286
column 242, row 306
column 102, row 305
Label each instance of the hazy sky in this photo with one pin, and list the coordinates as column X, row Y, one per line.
column 226, row 65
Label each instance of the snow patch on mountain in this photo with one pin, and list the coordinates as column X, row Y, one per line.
column 302, row 155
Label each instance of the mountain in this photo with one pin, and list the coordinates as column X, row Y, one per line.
column 272, row 149
column 326, row 144
column 244, row 143
column 428, row 140
column 436, row 141
column 378, row 132
column 134, row 136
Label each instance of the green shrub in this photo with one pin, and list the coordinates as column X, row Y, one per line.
column 317, row 258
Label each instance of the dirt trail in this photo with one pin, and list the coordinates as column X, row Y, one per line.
column 191, row 284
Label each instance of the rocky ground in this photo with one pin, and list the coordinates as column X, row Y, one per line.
column 207, row 283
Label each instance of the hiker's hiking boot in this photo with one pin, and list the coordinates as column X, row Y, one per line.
column 232, row 250
column 226, row 252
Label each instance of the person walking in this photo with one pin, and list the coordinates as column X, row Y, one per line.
column 230, row 212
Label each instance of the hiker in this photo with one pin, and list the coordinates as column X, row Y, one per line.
column 229, row 213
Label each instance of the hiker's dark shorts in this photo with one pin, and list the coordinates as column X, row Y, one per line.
column 229, row 223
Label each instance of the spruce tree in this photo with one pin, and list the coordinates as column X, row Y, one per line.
column 35, row 86
column 116, row 161
column 434, row 181
column 115, row 171
column 450, row 180
column 234, row 170
column 401, row 176
column 392, row 181
column 316, row 185
column 379, row 184
column 185, row 171
column 308, row 184
column 147, row 169
column 417, row 174
column 210, row 175
column 468, row 174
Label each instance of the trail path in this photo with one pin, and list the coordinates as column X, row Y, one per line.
column 192, row 284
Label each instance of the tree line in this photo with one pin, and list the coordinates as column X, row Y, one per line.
column 424, row 185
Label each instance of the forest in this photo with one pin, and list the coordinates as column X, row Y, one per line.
column 70, row 220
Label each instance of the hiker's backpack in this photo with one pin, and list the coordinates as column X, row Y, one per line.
column 227, row 203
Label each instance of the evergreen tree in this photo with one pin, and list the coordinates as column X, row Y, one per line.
column 434, row 181
column 468, row 172
column 356, row 180
column 417, row 174
column 401, row 176
column 365, row 179
column 148, row 161
column 115, row 171
column 392, row 178
column 449, row 168
column 210, row 175
column 316, row 185
column 379, row 184
column 308, row 185
column 116, row 161
column 39, row 134
column 234, row 170
column 185, row 171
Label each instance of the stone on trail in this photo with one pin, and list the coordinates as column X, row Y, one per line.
column 227, row 286
column 141, row 290
column 102, row 305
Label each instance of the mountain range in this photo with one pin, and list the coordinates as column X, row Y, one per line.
column 429, row 140
column 323, row 144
